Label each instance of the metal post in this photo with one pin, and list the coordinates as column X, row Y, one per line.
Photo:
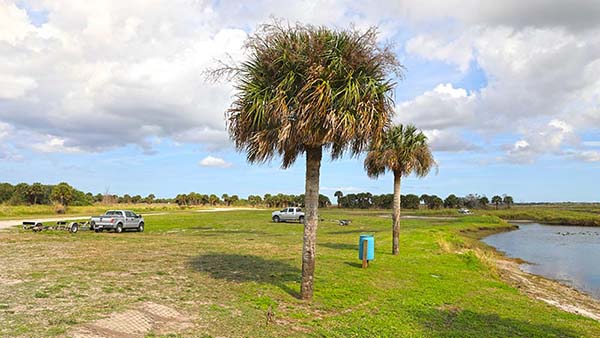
column 365, row 262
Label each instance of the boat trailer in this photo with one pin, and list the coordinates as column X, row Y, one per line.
column 72, row 227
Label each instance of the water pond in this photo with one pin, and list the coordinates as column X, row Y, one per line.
column 569, row 254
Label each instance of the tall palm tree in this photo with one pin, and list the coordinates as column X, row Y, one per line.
column 403, row 150
column 338, row 194
column 305, row 89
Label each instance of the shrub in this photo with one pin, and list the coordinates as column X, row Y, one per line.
column 60, row 209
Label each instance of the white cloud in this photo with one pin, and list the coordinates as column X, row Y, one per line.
column 534, row 75
column 5, row 130
column 586, row 156
column 105, row 74
column 15, row 23
column 53, row 144
column 448, row 140
column 102, row 75
column 442, row 107
column 457, row 52
column 13, row 87
column 550, row 139
column 214, row 162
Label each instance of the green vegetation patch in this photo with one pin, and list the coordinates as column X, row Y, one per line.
column 237, row 274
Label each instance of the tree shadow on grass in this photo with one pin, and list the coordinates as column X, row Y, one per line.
column 466, row 323
column 248, row 268
column 354, row 231
column 354, row 264
column 208, row 231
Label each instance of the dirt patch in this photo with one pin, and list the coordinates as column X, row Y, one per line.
column 548, row 291
column 147, row 317
column 9, row 281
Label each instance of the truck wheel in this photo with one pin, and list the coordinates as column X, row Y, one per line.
column 276, row 219
column 141, row 227
column 119, row 228
column 301, row 219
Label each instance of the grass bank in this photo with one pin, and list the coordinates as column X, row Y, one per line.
column 585, row 214
column 226, row 271
column 566, row 214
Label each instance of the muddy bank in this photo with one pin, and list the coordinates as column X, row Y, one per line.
column 547, row 290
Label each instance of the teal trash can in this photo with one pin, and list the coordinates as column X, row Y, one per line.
column 370, row 247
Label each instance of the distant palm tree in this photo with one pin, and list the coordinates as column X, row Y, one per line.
column 508, row 200
column 403, row 151
column 496, row 200
column 303, row 89
column 338, row 194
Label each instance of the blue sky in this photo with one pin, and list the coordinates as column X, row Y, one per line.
column 109, row 96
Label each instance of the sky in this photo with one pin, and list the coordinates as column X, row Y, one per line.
column 110, row 95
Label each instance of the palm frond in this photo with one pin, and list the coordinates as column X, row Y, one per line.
column 303, row 86
column 403, row 149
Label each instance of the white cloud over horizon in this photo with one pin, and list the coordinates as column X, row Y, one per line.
column 214, row 162
column 96, row 76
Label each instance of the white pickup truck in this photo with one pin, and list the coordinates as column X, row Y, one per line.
column 117, row 220
column 288, row 214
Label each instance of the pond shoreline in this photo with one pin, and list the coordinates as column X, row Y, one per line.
column 548, row 290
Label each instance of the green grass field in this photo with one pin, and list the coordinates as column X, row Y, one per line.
column 225, row 270
column 18, row 211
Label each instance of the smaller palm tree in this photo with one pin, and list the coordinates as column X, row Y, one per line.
column 403, row 150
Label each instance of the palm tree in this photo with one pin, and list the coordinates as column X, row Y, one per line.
column 403, row 151
column 338, row 194
column 303, row 89
column 35, row 192
column 497, row 200
column 508, row 200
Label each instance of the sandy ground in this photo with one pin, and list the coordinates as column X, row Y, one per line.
column 548, row 291
column 134, row 323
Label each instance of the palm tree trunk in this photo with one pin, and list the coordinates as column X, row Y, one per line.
column 311, row 205
column 396, row 215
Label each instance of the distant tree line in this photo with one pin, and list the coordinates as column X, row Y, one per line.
column 64, row 194
column 268, row 200
column 366, row 200
column 38, row 193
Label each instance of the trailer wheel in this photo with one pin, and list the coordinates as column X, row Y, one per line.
column 74, row 227
column 93, row 226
